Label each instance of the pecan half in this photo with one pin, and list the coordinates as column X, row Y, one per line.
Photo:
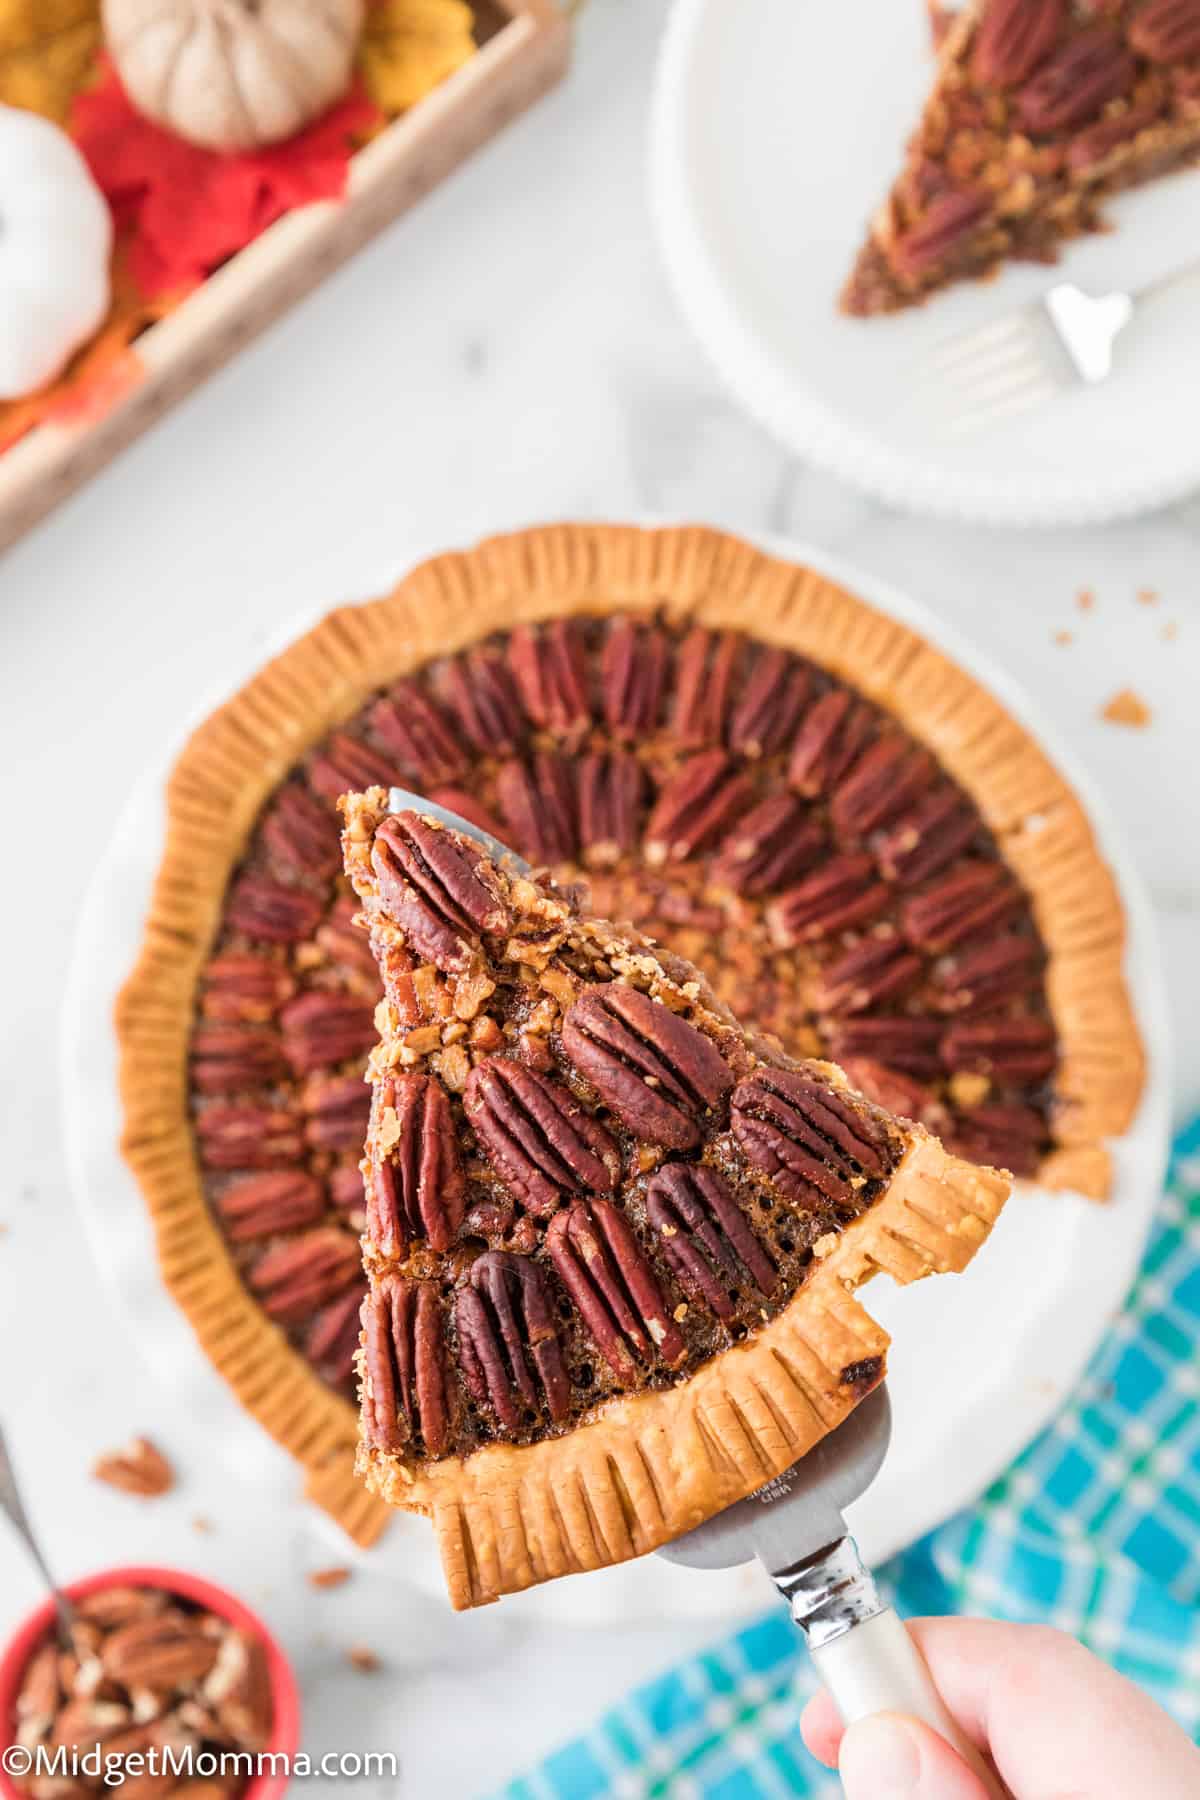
column 921, row 844
column 336, row 1111
column 483, row 695
column 704, row 1237
column 1011, row 1051
column 656, row 1071
column 1166, row 31
column 704, row 669
column 268, row 1205
column 346, row 1190
column 163, row 1651
column 1006, row 1137
column 771, row 703
column 542, row 1141
column 1090, row 69
column 948, row 223
column 504, row 1317
column 550, row 669
column 537, row 799
column 248, row 1137
column 139, row 1468
column 774, row 844
column 890, row 1088
column 301, row 832
column 990, row 974
column 1013, row 38
column 1096, row 143
column 406, row 1391
column 230, row 1059
column 610, row 798
column 347, row 944
column 845, row 892
column 295, row 1277
column 263, row 908
column 905, row 1042
column 435, row 888
column 834, row 734
column 331, row 1341
column 873, row 971
column 467, row 807
column 695, row 806
column 610, row 1279
column 324, row 1027
column 633, row 670
column 813, row 1143
column 345, row 764
column 888, row 776
column 972, row 899
column 417, row 1187
column 240, row 986
column 414, row 729
column 39, row 1696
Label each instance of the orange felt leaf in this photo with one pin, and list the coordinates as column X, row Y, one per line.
column 409, row 46
column 187, row 210
column 48, row 49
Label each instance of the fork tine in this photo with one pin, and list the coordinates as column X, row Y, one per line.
column 965, row 348
column 1004, row 406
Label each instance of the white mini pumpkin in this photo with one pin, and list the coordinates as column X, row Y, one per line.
column 55, row 244
column 233, row 74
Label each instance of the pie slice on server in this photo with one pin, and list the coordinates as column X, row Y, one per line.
column 612, row 1239
column 1039, row 109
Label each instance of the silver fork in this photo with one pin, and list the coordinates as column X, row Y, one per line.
column 1062, row 340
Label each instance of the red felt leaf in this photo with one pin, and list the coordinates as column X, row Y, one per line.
column 183, row 210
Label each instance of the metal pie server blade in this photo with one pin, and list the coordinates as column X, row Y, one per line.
column 404, row 800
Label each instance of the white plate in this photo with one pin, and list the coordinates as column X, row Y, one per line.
column 979, row 1365
column 776, row 132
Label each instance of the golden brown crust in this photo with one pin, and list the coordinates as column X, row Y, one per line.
column 654, row 1464
column 237, row 757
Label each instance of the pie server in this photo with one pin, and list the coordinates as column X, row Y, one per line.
column 794, row 1526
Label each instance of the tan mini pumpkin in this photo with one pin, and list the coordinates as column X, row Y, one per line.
column 233, row 74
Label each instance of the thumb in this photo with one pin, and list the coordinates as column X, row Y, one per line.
column 889, row 1756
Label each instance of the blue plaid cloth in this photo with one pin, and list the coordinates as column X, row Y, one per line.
column 1096, row 1529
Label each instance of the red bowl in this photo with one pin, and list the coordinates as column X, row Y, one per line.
column 285, row 1731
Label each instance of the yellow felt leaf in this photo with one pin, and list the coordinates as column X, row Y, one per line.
column 409, row 46
column 48, row 49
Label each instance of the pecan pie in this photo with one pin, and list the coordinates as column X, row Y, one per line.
column 611, row 1240
column 1039, row 109
column 865, row 855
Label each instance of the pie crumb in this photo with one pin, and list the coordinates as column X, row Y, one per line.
column 362, row 1659
column 1085, row 599
column 202, row 1525
column 1064, row 637
column 328, row 1578
column 1127, row 708
column 1170, row 631
column 1147, row 596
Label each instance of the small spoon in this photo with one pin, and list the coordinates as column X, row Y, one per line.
column 10, row 1500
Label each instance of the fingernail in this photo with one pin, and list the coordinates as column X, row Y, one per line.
column 878, row 1760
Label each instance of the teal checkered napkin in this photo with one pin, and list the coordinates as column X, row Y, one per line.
column 1096, row 1529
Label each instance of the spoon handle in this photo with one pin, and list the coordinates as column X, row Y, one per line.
column 14, row 1506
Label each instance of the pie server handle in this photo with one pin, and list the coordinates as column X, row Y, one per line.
column 874, row 1667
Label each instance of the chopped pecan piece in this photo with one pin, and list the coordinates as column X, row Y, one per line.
column 834, row 734
column 139, row 1469
column 937, row 830
column 976, row 897
column 479, row 687
column 610, row 798
column 231, row 1059
column 417, row 1187
column 294, row 1278
column 632, row 673
column 905, row 1041
column 406, row 1391
column 248, row 1137
column 1090, row 69
column 331, row 1341
column 611, row 1281
column 414, row 729
column 990, row 974
column 876, row 970
column 659, row 1073
column 773, row 698
column 1166, row 31
column 537, row 799
column 543, row 1142
column 345, row 763
column 268, row 1205
column 243, row 987
column 324, row 1027
column 1011, row 1051
column 844, row 892
column 704, row 671
column 773, row 845
column 888, row 776
column 504, row 1316
column 1006, row 1137
column 551, row 675
column 301, row 832
column 813, row 1143
column 436, row 889
column 695, row 806
column 266, row 909
column 1014, row 36
column 336, row 1110
column 705, row 1238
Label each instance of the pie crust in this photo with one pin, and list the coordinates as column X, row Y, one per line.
column 241, row 753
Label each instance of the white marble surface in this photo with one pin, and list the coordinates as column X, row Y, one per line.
column 508, row 352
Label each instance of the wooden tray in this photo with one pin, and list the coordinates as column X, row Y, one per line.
column 524, row 49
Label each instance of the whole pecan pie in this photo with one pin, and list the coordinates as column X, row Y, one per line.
column 612, row 1247
column 1039, row 109
column 864, row 853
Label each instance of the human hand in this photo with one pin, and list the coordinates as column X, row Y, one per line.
column 1058, row 1723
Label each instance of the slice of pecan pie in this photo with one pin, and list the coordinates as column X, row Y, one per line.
column 1039, row 110
column 612, row 1240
